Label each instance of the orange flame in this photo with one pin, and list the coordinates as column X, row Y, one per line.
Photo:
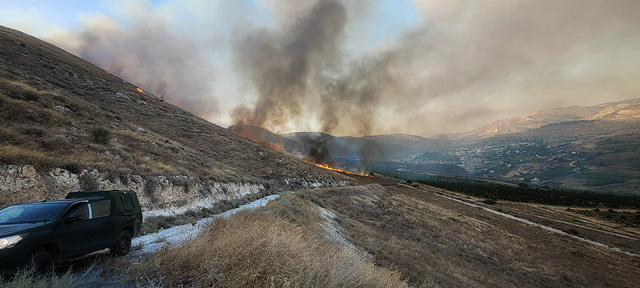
column 325, row 166
column 140, row 90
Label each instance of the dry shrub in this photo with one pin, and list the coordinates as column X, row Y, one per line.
column 20, row 91
column 31, row 279
column 251, row 250
column 55, row 143
column 100, row 135
column 7, row 135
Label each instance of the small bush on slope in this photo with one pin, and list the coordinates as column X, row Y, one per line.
column 252, row 250
column 100, row 135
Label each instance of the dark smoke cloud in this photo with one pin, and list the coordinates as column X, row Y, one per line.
column 319, row 151
column 353, row 99
column 152, row 56
column 281, row 66
column 465, row 63
column 290, row 68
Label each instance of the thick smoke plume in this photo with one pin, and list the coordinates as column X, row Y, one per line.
column 458, row 65
column 464, row 65
column 281, row 66
column 152, row 56
column 291, row 69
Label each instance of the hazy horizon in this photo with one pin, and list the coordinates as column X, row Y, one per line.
column 353, row 67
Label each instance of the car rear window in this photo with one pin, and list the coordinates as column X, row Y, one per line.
column 95, row 209
column 100, row 208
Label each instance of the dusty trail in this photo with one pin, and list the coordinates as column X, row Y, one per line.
column 528, row 222
column 179, row 234
column 601, row 228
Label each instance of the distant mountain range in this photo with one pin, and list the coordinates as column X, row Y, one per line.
column 588, row 148
column 628, row 110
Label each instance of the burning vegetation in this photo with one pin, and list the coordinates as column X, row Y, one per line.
column 320, row 149
column 325, row 166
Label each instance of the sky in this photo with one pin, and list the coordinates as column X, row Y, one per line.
column 353, row 67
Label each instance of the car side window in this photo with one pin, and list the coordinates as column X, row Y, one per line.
column 82, row 210
column 100, row 208
column 93, row 210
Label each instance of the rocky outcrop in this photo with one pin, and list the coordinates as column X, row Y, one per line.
column 19, row 184
column 157, row 194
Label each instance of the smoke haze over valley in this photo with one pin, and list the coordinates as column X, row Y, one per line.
column 354, row 67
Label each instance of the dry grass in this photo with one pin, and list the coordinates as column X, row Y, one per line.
column 256, row 250
column 31, row 279
column 438, row 242
column 13, row 154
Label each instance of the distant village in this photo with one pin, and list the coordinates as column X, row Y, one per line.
column 536, row 162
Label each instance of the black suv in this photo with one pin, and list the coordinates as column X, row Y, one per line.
column 40, row 234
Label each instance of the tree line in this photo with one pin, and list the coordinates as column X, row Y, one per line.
column 519, row 193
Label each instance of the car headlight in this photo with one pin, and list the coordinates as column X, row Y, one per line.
column 9, row 242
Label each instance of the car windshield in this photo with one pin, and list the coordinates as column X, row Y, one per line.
column 31, row 213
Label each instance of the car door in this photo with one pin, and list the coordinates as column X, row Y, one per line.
column 103, row 230
column 94, row 232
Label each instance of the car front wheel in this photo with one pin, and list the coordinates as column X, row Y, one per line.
column 122, row 244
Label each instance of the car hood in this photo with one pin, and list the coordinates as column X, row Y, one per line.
column 13, row 229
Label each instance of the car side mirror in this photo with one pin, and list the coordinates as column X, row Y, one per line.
column 74, row 217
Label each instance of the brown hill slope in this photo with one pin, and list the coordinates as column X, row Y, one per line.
column 628, row 110
column 59, row 111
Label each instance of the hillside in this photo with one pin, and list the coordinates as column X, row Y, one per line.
column 68, row 124
column 586, row 155
column 410, row 141
column 628, row 110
